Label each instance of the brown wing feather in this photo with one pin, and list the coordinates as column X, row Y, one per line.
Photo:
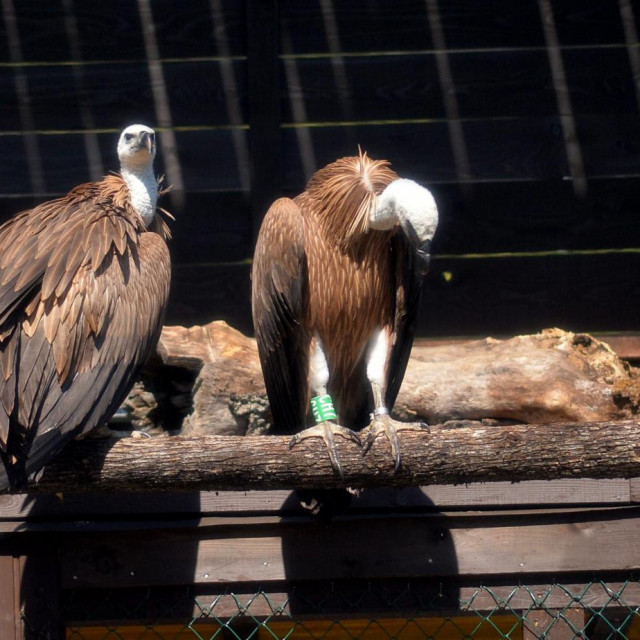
column 77, row 329
column 279, row 303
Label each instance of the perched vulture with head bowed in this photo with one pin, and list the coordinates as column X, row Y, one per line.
column 84, row 281
column 336, row 282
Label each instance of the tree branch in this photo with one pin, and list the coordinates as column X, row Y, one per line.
column 445, row 455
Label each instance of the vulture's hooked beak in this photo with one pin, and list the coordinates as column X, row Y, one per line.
column 147, row 139
column 424, row 252
column 423, row 247
column 424, row 256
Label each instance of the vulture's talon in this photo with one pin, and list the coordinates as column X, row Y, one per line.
column 326, row 431
column 385, row 425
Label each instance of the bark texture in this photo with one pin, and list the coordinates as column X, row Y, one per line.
column 445, row 455
column 207, row 380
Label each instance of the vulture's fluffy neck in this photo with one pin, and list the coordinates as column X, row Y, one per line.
column 143, row 188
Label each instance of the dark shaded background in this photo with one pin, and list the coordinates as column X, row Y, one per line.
column 521, row 116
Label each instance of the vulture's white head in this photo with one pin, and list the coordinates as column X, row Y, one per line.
column 409, row 204
column 137, row 146
column 136, row 151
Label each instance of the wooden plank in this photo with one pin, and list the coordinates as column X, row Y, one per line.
column 358, row 548
column 553, row 624
column 18, row 507
column 134, row 632
column 10, row 626
column 415, row 629
column 634, row 489
column 40, row 593
column 627, row 346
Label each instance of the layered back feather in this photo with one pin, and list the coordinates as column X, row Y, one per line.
column 83, row 288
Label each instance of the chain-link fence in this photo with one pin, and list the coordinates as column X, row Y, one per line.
column 594, row 609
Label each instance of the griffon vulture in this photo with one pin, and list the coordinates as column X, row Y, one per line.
column 84, row 281
column 336, row 282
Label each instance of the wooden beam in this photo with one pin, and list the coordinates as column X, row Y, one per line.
column 16, row 508
column 553, row 624
column 39, row 600
column 443, row 455
column 358, row 549
column 10, row 622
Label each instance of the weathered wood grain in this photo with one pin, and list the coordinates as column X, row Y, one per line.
column 15, row 509
column 551, row 376
column 362, row 549
column 9, row 606
column 553, row 624
column 441, row 456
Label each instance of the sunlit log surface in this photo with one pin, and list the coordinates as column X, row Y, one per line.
column 444, row 455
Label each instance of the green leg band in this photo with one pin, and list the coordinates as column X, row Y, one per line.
column 322, row 408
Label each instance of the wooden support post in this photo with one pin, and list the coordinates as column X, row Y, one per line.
column 264, row 106
column 553, row 624
column 30, row 591
column 10, row 619
column 39, row 593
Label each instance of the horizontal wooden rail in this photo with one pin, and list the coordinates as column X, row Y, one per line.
column 443, row 455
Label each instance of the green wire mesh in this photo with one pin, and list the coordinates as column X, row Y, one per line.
column 593, row 610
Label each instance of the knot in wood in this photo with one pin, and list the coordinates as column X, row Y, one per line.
column 513, row 438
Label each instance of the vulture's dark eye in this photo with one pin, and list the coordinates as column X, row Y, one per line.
column 128, row 136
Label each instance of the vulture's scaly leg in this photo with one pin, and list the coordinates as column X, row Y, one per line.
column 382, row 422
column 325, row 427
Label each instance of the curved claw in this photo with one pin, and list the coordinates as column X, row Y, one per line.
column 384, row 424
column 327, row 430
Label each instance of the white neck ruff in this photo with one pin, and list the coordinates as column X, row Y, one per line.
column 143, row 188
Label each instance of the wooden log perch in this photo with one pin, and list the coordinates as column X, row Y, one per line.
column 580, row 399
column 207, row 380
column 445, row 455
